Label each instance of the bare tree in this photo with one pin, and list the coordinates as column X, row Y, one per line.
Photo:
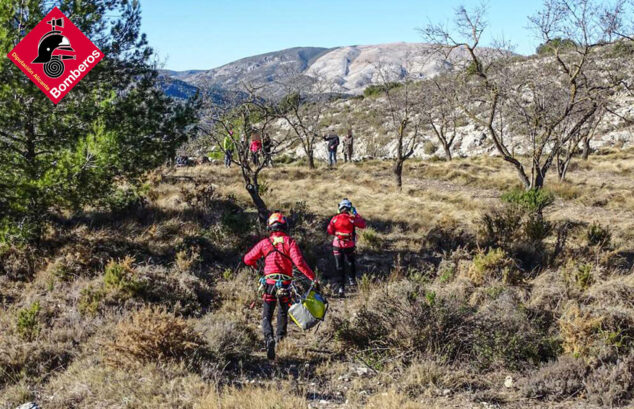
column 401, row 108
column 251, row 116
column 303, row 109
column 617, row 19
column 510, row 101
column 581, row 132
column 440, row 112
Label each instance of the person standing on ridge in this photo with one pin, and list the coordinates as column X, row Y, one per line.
column 266, row 150
column 256, row 147
column 343, row 227
column 333, row 143
column 348, row 144
column 280, row 252
column 228, row 145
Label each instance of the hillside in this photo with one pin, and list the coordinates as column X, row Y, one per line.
column 144, row 304
column 347, row 70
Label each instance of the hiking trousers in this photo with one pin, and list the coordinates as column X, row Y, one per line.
column 228, row 157
column 268, row 308
column 332, row 158
column 347, row 154
column 343, row 257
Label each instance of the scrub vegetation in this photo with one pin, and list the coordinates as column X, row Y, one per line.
column 151, row 308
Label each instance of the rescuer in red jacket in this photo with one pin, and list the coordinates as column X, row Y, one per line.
column 343, row 227
column 280, row 252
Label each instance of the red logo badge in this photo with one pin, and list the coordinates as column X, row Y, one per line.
column 55, row 55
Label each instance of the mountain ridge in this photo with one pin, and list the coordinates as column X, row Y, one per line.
column 345, row 69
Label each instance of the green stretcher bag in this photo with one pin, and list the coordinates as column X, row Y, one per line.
column 309, row 311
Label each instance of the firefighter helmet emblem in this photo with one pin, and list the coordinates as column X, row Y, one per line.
column 52, row 50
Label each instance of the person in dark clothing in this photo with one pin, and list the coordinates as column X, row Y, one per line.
column 266, row 150
column 348, row 143
column 333, row 144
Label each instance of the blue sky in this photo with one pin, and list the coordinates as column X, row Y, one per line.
column 190, row 34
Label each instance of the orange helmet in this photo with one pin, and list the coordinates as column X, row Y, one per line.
column 277, row 222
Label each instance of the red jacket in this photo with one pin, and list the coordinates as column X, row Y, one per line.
column 343, row 226
column 256, row 145
column 276, row 263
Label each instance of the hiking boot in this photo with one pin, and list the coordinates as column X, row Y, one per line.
column 270, row 348
column 341, row 292
column 351, row 282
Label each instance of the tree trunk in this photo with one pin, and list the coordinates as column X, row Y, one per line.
column 447, row 151
column 398, row 173
column 263, row 211
column 586, row 149
column 537, row 181
column 311, row 160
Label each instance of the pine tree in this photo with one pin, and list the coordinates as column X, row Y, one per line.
column 112, row 127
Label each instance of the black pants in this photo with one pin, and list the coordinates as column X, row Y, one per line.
column 345, row 256
column 268, row 308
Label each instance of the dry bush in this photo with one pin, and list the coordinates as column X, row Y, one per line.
column 67, row 267
column 181, row 293
column 606, row 384
column 18, row 263
column 227, row 339
column 402, row 319
column 90, row 384
column 579, row 330
column 429, row 377
column 612, row 384
column 558, row 380
column 253, row 397
column 154, row 335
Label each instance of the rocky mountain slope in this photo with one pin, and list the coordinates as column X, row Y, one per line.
column 348, row 70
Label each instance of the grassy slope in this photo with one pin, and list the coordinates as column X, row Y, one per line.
column 85, row 346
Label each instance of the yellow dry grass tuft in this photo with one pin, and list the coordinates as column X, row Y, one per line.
column 578, row 330
column 253, row 397
column 152, row 335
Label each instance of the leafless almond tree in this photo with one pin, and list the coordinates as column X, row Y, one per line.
column 401, row 108
column 303, row 109
column 440, row 112
column 249, row 117
column 542, row 103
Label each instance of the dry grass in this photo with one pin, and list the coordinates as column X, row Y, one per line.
column 177, row 324
column 153, row 335
column 278, row 396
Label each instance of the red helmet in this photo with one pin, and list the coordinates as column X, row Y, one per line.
column 277, row 222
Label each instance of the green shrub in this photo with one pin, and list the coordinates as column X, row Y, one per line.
column 120, row 277
column 534, row 200
column 377, row 90
column 536, row 228
column 598, row 235
column 123, row 200
column 583, row 276
column 473, row 69
column 495, row 264
column 371, row 238
column 550, row 46
column 89, row 301
column 28, row 325
column 216, row 155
